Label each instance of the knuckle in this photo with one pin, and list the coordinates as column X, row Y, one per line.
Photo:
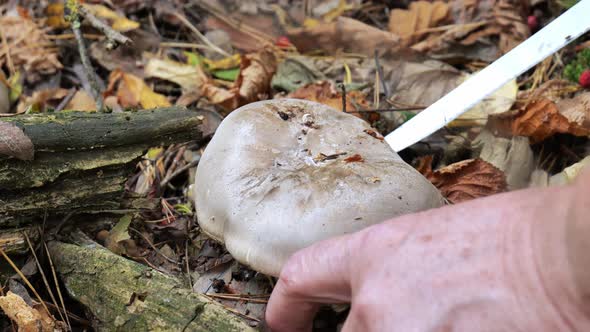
column 291, row 272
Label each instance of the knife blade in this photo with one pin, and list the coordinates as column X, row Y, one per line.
column 556, row 35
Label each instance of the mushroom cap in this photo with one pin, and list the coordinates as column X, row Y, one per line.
column 280, row 175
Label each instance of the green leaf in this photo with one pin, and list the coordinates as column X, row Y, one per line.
column 120, row 231
column 183, row 209
column 227, row 74
column 193, row 59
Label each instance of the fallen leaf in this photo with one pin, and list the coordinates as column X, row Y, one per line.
column 27, row 319
column 539, row 120
column 569, row 174
column 553, row 90
column 252, row 83
column 577, row 109
column 344, row 34
column 499, row 102
column 118, row 22
column 513, row 156
column 256, row 71
column 465, row 180
column 40, row 100
column 15, row 143
column 30, row 47
column 325, row 92
column 477, row 25
column 131, row 91
column 189, row 77
column 81, row 101
column 420, row 83
column 419, row 16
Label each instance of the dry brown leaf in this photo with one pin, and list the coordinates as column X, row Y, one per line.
column 344, row 34
column 26, row 318
column 324, row 92
column 14, row 142
column 552, row 90
column 465, row 180
column 256, row 71
column 41, row 99
column 577, row 109
column 81, row 101
column 538, row 121
column 252, row 84
column 131, row 91
column 29, row 47
column 419, row 16
column 478, row 24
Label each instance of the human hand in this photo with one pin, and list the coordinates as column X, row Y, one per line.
column 492, row 264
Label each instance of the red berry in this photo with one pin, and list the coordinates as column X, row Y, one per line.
column 532, row 22
column 585, row 79
column 283, row 41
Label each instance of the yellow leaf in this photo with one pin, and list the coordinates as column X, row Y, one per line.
column 499, row 102
column 132, row 91
column 187, row 76
column 342, row 7
column 311, row 23
column 225, row 63
column 150, row 99
column 118, row 22
column 55, row 16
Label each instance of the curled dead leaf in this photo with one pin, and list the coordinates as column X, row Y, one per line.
column 577, row 109
column 15, row 143
column 541, row 119
column 252, row 84
column 410, row 24
column 465, row 180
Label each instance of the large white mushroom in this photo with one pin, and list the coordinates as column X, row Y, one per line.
column 282, row 174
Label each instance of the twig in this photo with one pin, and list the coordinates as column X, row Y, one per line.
column 200, row 35
column 25, row 280
column 154, row 247
column 114, row 38
column 61, row 298
column 66, row 100
column 178, row 172
column 381, row 76
column 238, row 298
column 45, row 281
column 74, row 18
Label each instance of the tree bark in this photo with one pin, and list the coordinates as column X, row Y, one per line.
column 82, row 160
column 126, row 296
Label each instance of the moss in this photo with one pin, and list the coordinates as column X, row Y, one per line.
column 575, row 68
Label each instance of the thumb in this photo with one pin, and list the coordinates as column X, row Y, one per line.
column 319, row 274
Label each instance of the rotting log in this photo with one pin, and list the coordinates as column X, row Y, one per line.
column 126, row 296
column 82, row 160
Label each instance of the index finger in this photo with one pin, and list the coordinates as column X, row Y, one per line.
column 319, row 274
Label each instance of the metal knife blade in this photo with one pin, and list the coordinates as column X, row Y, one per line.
column 557, row 34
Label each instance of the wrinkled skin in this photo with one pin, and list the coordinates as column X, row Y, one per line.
column 510, row 262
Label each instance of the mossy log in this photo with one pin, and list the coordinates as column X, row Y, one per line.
column 126, row 296
column 82, row 160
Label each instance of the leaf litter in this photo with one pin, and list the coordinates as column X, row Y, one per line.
column 382, row 63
